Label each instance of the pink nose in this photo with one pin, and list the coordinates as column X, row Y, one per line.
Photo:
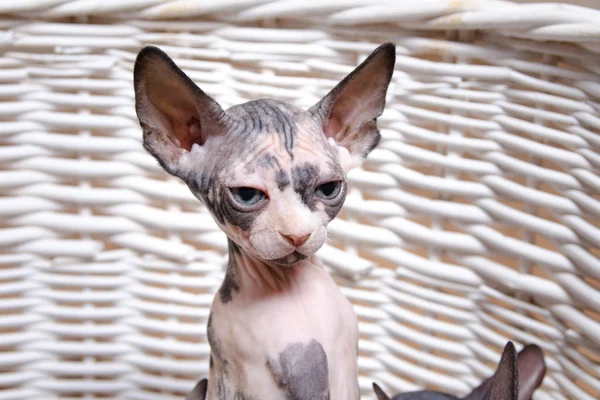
column 296, row 240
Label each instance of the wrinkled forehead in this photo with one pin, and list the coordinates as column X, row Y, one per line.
column 270, row 134
column 253, row 120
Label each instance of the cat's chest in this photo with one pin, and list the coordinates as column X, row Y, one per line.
column 312, row 308
column 307, row 333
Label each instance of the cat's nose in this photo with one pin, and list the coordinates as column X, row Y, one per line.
column 296, row 240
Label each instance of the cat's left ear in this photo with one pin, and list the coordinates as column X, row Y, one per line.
column 349, row 112
column 176, row 115
column 505, row 384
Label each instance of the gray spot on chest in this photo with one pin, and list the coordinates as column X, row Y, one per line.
column 301, row 370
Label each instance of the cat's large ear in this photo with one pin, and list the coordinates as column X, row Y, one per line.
column 349, row 112
column 505, row 385
column 173, row 112
column 532, row 369
column 199, row 391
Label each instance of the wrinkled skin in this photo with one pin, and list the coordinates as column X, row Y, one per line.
column 273, row 176
column 516, row 378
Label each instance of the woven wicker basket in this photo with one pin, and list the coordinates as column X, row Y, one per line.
column 477, row 219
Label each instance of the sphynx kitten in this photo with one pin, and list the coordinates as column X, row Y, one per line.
column 273, row 176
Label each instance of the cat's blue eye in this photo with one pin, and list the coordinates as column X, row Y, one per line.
column 328, row 190
column 247, row 196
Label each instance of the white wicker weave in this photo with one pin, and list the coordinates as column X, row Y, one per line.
column 477, row 220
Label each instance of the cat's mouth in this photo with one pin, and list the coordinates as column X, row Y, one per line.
column 290, row 259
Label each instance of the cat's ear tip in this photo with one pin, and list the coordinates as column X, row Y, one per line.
column 142, row 57
column 147, row 53
column 510, row 350
column 510, row 346
column 534, row 354
column 147, row 50
column 388, row 49
column 533, row 347
column 147, row 59
column 385, row 55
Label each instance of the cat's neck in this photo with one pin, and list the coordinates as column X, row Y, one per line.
column 247, row 272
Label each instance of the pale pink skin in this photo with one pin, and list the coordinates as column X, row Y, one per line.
column 279, row 326
column 275, row 308
column 278, row 305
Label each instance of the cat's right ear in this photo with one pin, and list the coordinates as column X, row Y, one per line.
column 349, row 112
column 380, row 393
column 173, row 112
column 532, row 369
column 199, row 391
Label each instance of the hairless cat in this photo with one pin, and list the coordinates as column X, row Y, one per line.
column 273, row 176
column 516, row 378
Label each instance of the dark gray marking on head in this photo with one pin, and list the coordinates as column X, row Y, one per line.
column 267, row 161
column 202, row 186
column 305, row 178
column 276, row 120
column 280, row 118
column 230, row 284
column 289, row 128
column 250, row 124
column 302, row 371
column 259, row 119
column 282, row 179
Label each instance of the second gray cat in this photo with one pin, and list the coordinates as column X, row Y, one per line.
column 515, row 379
